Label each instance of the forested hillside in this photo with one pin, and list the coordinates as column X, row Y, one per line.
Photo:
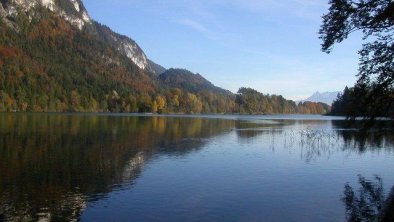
column 253, row 102
column 49, row 64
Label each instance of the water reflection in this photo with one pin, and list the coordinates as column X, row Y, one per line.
column 369, row 202
column 378, row 137
column 316, row 138
column 51, row 165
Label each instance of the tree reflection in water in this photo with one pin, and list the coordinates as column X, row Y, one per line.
column 316, row 143
column 314, row 139
column 369, row 204
column 353, row 134
column 51, row 166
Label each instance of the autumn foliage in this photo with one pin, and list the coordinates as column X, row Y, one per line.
column 48, row 65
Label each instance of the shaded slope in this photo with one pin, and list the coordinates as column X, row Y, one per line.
column 184, row 79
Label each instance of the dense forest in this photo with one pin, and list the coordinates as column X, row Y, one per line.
column 253, row 102
column 363, row 102
column 48, row 65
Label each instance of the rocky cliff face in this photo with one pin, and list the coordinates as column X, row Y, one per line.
column 72, row 11
column 75, row 13
column 124, row 45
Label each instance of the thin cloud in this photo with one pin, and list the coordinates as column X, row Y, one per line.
column 195, row 26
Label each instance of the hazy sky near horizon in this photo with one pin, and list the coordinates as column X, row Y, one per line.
column 269, row 45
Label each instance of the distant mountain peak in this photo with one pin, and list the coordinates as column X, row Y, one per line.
column 323, row 97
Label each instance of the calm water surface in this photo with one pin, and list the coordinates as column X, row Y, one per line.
column 204, row 168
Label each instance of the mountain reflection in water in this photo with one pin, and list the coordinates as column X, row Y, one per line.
column 52, row 167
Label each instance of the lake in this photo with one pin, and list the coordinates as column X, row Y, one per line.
column 100, row 167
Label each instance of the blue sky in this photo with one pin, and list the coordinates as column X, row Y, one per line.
column 268, row 45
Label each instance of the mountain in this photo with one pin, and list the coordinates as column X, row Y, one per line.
column 184, row 79
column 325, row 97
column 72, row 11
column 55, row 58
column 124, row 45
column 156, row 68
column 75, row 13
